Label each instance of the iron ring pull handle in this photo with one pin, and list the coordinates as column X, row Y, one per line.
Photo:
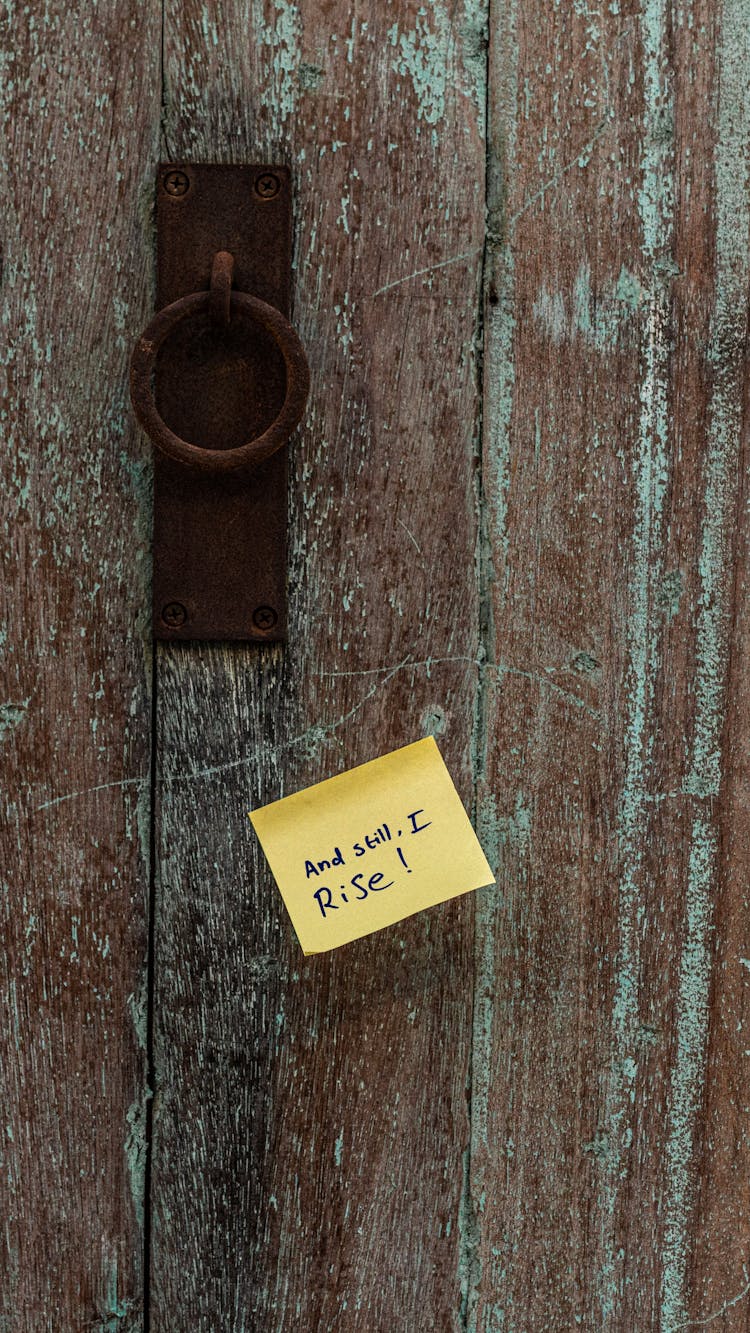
column 221, row 301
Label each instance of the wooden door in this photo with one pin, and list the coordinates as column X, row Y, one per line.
column 518, row 521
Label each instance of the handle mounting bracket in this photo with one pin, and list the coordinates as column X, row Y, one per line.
column 229, row 381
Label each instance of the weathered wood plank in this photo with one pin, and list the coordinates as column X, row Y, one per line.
column 616, row 313
column 78, row 95
column 310, row 1119
column 718, row 1240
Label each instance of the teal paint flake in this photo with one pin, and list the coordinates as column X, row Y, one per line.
column 602, row 320
column 10, row 717
column 136, row 1152
column 425, row 56
column 474, row 33
column 433, row 721
column 283, row 36
column 137, row 1003
column 113, row 1309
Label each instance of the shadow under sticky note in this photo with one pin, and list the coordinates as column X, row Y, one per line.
column 371, row 846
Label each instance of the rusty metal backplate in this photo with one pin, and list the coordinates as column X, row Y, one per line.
column 220, row 542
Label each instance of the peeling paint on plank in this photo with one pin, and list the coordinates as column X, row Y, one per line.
column 650, row 470
column 725, row 424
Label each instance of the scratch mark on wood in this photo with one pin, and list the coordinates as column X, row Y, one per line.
column 581, row 159
column 411, row 536
column 89, row 791
column 428, row 662
column 719, row 1314
column 431, row 268
column 314, row 734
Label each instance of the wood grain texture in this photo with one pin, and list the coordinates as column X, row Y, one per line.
column 609, row 1124
column 78, row 96
column 719, row 1272
column 310, row 1119
column 522, row 1111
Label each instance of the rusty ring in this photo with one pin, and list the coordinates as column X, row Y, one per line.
column 244, row 457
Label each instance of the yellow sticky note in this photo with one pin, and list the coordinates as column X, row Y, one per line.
column 369, row 847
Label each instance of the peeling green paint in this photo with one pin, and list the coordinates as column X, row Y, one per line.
column 433, row 721
column 136, row 1152
column 474, row 33
column 425, row 55
column 601, row 319
column 138, row 1007
column 500, row 835
column 685, row 1094
column 10, row 716
column 650, row 466
column 113, row 1309
column 469, row 1236
column 279, row 93
column 728, row 341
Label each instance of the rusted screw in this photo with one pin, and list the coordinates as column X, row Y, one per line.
column 264, row 617
column 267, row 185
column 174, row 615
column 176, row 183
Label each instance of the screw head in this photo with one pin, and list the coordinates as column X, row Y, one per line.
column 174, row 615
column 267, row 185
column 264, row 617
column 176, row 183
